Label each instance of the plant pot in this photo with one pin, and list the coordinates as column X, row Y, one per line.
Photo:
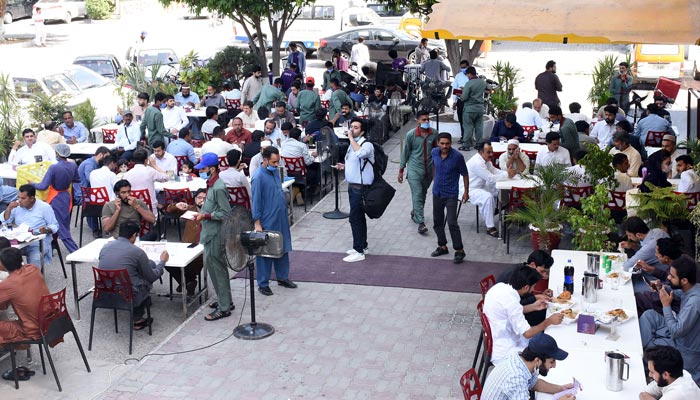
column 552, row 239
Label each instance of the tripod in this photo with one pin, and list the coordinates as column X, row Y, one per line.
column 252, row 330
column 335, row 214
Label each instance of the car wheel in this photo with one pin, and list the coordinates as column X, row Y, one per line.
column 68, row 18
column 696, row 73
column 411, row 57
column 7, row 19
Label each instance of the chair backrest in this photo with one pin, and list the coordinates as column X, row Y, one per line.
column 517, row 195
column 172, row 196
column 326, row 104
column 574, row 194
column 109, row 135
column 486, row 326
column 529, row 128
column 223, row 162
column 233, row 104
column 94, row 196
column 495, row 157
column 112, row 288
column 693, row 198
column 471, row 387
column 207, row 137
column 54, row 321
column 238, row 196
column 486, row 283
column 617, row 201
column 181, row 160
column 532, row 155
column 143, row 195
column 197, row 143
column 295, row 166
column 654, row 138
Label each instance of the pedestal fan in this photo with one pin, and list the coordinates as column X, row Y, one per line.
column 329, row 145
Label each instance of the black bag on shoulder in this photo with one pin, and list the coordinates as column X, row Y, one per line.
column 380, row 193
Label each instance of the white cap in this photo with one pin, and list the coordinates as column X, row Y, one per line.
column 514, row 141
column 265, row 143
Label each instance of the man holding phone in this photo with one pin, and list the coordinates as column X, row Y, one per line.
column 643, row 240
column 126, row 208
column 667, row 251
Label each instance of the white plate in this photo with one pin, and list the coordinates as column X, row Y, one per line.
column 624, row 276
column 567, row 320
column 556, row 307
column 604, row 318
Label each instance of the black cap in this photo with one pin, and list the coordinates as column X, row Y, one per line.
column 545, row 344
column 287, row 126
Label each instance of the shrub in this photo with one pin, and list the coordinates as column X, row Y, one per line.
column 99, row 9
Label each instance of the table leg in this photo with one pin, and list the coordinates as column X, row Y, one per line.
column 41, row 251
column 206, row 285
column 76, row 299
column 184, row 294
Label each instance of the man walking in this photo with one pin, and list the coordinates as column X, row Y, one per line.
column 416, row 153
column 548, row 84
column 269, row 208
column 297, row 57
column 473, row 111
column 359, row 176
column 448, row 166
column 215, row 207
column 153, row 122
column 359, row 55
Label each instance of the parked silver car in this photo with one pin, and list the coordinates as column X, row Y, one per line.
column 61, row 10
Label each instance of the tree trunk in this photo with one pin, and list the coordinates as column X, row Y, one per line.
column 458, row 50
column 3, row 7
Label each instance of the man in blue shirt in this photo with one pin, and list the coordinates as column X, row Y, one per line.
column 38, row 216
column 653, row 122
column 73, row 131
column 269, row 208
column 461, row 79
column 186, row 98
column 297, row 57
column 643, row 240
column 182, row 146
column 448, row 165
column 84, row 173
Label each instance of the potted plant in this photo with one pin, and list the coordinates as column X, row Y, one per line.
column 87, row 114
column 593, row 223
column 598, row 166
column 503, row 98
column 662, row 208
column 603, row 72
column 10, row 117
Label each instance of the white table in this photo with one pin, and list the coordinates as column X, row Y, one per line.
column 586, row 359
column 341, row 133
column 499, row 147
column 202, row 112
column 89, row 149
column 198, row 183
column 637, row 180
column 7, row 171
column 180, row 257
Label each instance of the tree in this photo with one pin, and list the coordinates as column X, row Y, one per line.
column 252, row 15
column 3, row 8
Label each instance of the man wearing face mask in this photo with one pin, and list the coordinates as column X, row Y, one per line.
column 329, row 74
column 605, row 131
column 519, row 373
column 416, row 153
column 460, row 80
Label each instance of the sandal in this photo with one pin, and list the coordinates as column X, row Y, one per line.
column 217, row 314
column 142, row 324
column 22, row 375
column 492, row 232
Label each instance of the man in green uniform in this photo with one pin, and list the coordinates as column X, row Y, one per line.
column 308, row 102
column 416, row 154
column 329, row 74
column 473, row 111
column 338, row 98
column 268, row 95
column 153, row 121
column 215, row 207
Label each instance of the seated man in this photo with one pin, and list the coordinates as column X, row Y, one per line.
column 652, row 122
column 162, row 159
column 604, row 130
column 123, row 254
column 520, row 372
column 514, row 159
column 576, row 115
column 542, row 262
column 584, row 128
column 52, row 134
column 73, row 131
column 40, row 218
column 281, row 114
column 128, row 136
column 248, row 116
column 257, row 160
column 578, row 171
column 212, row 121
column 233, row 176
column 669, row 380
column 526, row 116
column 507, row 129
column 22, row 289
column 510, row 329
column 8, row 194
column 622, row 144
column 213, row 99
column 667, row 251
column 554, row 152
column 216, row 144
column 273, row 133
column 32, row 151
column 105, row 176
column 182, row 146
column 668, row 143
column 174, row 117
column 690, row 183
column 621, row 164
column 643, row 240
column 294, row 148
column 125, row 208
column 482, row 180
column 238, row 135
column 144, row 175
column 313, row 129
column 677, row 330
column 346, row 114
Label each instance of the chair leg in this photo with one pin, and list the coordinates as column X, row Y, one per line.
column 60, row 258
column 92, row 325
column 53, row 368
column 80, row 240
column 41, row 357
column 116, row 328
column 14, row 365
column 179, row 229
column 477, row 219
column 148, row 315
column 80, row 347
column 131, row 328
column 478, row 349
column 487, row 364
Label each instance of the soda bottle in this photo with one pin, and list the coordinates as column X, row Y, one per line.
column 569, row 277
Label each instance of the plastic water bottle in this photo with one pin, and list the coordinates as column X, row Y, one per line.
column 569, row 277
column 644, row 172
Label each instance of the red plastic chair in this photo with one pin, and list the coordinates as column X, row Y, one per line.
column 574, row 194
column 54, row 323
column 532, row 155
column 326, row 104
column 113, row 291
column 197, row 143
column 181, row 160
column 495, row 157
column 693, row 198
column 488, row 343
column 92, row 202
column 617, row 201
column 515, row 201
column 296, row 167
column 529, row 128
column 471, row 387
column 173, row 196
column 223, row 162
column 233, row 104
column 486, row 283
column 654, row 138
column 207, row 137
column 145, row 196
column 109, row 135
column 239, row 196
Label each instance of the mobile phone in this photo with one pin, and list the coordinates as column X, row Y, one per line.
column 192, row 245
column 653, row 287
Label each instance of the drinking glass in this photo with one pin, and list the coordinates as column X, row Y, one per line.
column 614, row 283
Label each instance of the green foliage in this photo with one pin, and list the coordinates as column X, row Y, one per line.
column 660, row 205
column 692, row 145
column 424, row 7
column 598, row 166
column 503, row 98
column 603, row 72
column 125, row 94
column 231, row 63
column 47, row 108
column 87, row 114
column 11, row 123
column 197, row 78
column 593, row 222
column 99, row 9
column 149, row 80
column 502, row 104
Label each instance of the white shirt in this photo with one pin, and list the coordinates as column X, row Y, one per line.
column 508, row 324
column 128, row 136
column 483, row 175
column 292, row 148
column 624, row 182
column 503, row 161
column 544, row 111
column 359, row 54
column 233, row 94
column 103, row 177
column 248, row 120
column 528, row 117
column 634, row 158
column 167, row 163
column 578, row 117
column 276, row 134
column 217, row 146
column 209, row 125
column 255, row 163
column 683, row 388
column 603, row 132
column 174, row 118
column 546, row 157
column 25, row 155
column 235, row 178
column 579, row 171
column 689, row 182
column 143, row 177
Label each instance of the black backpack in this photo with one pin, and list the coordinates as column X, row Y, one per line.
column 377, row 197
column 381, row 160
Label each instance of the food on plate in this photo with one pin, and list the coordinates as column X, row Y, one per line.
column 618, row 312
column 564, row 297
column 614, row 275
column 569, row 313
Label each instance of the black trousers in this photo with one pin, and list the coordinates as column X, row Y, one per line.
column 439, row 206
column 460, row 108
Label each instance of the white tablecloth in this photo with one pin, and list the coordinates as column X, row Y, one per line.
column 88, row 149
column 198, row 183
column 202, row 112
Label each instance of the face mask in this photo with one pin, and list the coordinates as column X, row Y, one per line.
column 464, row 70
column 203, row 175
column 425, row 125
column 271, row 168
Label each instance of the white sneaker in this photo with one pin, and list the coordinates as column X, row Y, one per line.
column 353, row 251
column 354, row 257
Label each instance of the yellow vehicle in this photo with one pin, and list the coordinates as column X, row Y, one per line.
column 652, row 61
column 412, row 24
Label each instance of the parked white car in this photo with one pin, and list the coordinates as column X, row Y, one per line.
column 61, row 10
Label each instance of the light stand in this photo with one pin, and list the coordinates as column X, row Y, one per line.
column 336, row 214
column 253, row 330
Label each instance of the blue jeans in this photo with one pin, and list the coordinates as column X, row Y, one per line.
column 264, row 266
column 358, row 223
column 34, row 256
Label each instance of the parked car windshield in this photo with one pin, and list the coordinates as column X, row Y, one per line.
column 85, row 78
column 158, row 56
column 58, row 83
column 102, row 67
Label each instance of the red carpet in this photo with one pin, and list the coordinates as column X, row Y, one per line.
column 391, row 271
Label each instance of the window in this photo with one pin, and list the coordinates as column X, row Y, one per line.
column 384, row 36
column 26, row 88
column 324, row 12
column 85, row 78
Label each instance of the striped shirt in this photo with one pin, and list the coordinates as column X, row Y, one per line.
column 510, row 380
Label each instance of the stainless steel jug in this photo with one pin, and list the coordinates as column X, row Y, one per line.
column 593, row 264
column 615, row 363
column 590, row 287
